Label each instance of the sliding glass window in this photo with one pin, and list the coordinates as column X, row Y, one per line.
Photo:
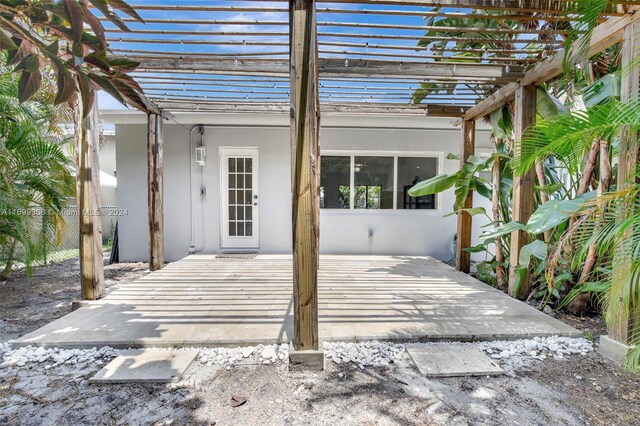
column 375, row 182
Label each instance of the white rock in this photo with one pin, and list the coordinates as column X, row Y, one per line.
column 269, row 353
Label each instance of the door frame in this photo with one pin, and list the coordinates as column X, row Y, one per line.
column 224, row 153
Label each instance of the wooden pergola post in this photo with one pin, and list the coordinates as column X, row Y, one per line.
column 525, row 116
column 624, row 329
column 154, row 191
column 465, row 219
column 89, row 217
column 305, row 152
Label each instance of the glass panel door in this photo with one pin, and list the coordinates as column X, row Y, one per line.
column 239, row 176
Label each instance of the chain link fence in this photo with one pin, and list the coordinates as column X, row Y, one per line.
column 69, row 239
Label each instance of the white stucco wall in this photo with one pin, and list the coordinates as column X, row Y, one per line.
column 400, row 232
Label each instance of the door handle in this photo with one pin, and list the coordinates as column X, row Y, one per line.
column 255, row 203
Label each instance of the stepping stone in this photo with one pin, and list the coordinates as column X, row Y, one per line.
column 146, row 366
column 441, row 360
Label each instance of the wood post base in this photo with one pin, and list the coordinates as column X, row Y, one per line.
column 305, row 361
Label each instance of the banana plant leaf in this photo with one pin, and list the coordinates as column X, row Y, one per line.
column 476, row 249
column 501, row 123
column 548, row 106
column 603, row 90
column 472, row 211
column 434, row 185
column 502, row 230
column 551, row 214
column 536, row 248
column 466, row 181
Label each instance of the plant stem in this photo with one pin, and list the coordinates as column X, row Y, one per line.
column 544, row 197
column 501, row 274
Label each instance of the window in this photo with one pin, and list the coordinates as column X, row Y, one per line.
column 375, row 182
column 335, row 179
column 412, row 170
column 373, row 178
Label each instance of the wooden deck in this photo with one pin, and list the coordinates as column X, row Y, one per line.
column 207, row 301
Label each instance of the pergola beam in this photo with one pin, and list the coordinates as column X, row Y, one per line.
column 333, row 67
column 325, row 108
column 305, row 176
column 92, row 284
column 465, row 219
column 604, row 36
column 523, row 192
column 624, row 326
column 155, row 191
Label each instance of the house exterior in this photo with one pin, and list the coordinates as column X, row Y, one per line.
column 227, row 184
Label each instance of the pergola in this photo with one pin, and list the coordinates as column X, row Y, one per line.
column 307, row 58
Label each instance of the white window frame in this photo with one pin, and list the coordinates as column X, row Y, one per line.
column 438, row 155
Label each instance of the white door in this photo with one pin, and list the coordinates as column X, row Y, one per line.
column 239, row 168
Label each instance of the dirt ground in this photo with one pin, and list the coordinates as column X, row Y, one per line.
column 579, row 390
column 29, row 302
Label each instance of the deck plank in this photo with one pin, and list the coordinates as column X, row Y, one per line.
column 202, row 300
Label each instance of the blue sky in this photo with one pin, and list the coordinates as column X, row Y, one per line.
column 204, row 90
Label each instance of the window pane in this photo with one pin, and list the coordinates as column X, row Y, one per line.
column 335, row 178
column 373, row 183
column 412, row 170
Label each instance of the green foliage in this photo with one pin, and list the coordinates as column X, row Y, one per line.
column 70, row 39
column 568, row 136
column 465, row 180
column 551, row 214
column 536, row 248
column 578, row 40
column 35, row 179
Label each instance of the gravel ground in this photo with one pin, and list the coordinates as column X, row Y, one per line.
column 577, row 389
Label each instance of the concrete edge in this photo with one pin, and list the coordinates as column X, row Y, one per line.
column 613, row 350
column 126, row 344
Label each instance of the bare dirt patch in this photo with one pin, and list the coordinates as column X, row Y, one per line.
column 29, row 302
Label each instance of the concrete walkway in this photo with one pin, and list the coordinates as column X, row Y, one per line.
column 203, row 300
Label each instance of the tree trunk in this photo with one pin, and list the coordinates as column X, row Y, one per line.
column 544, row 197
column 579, row 304
column 8, row 266
column 501, row 273
column 585, row 180
column 603, row 186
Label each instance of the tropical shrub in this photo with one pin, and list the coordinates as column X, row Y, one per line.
column 35, row 174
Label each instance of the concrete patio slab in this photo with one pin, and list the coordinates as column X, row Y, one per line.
column 443, row 360
column 203, row 300
column 146, row 366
